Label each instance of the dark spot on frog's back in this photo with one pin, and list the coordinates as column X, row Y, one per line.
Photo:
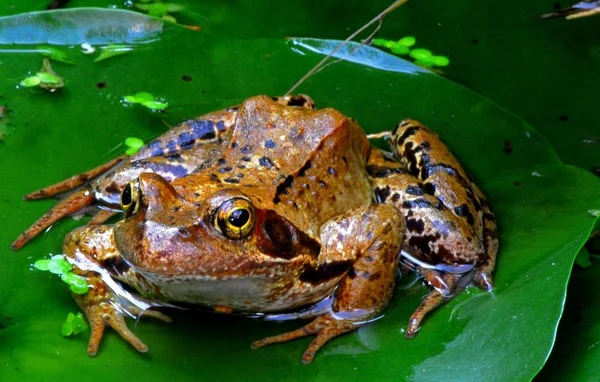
column 282, row 189
column 187, row 78
column 507, row 147
column 325, row 272
column 101, row 85
column 303, row 169
column 265, row 162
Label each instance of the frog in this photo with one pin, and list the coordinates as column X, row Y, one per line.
column 273, row 206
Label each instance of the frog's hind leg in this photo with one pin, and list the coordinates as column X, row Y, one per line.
column 74, row 181
column 67, row 206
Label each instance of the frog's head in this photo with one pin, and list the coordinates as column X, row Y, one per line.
column 219, row 232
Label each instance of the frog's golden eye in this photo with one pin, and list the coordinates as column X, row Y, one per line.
column 235, row 218
column 130, row 198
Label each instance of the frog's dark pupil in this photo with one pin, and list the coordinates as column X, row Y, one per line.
column 126, row 195
column 239, row 217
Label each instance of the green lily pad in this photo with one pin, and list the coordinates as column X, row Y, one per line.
column 542, row 208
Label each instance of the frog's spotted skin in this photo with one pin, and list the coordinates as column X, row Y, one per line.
column 272, row 206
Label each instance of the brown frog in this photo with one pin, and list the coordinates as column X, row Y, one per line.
column 274, row 206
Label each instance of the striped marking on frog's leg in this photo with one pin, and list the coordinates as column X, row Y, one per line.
column 300, row 100
column 434, row 234
column 190, row 134
column 428, row 158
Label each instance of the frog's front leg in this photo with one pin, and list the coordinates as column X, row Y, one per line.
column 369, row 238
column 93, row 252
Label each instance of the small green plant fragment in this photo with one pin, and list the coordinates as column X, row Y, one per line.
column 400, row 50
column 407, row 41
column 441, row 61
column 420, row 54
column 42, row 265
column 134, row 144
column 77, row 284
column 146, row 99
column 59, row 265
column 155, row 105
column 112, row 51
column 169, row 18
column 73, row 325
column 383, row 42
column 139, row 97
column 46, row 78
column 159, row 9
column 54, row 54
column 423, row 57
column 31, row 81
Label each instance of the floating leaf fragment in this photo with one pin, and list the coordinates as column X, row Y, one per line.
column 54, row 54
column 73, row 325
column 146, row 99
column 112, row 51
column 134, row 144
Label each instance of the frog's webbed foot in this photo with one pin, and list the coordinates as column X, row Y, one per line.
column 107, row 313
column 325, row 328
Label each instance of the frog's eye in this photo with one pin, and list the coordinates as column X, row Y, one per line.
column 235, row 218
column 130, row 198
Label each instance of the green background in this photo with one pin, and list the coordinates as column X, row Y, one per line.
column 542, row 71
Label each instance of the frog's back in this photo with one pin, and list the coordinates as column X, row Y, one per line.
column 309, row 165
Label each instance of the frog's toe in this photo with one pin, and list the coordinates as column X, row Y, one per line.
column 105, row 314
column 484, row 281
column 157, row 315
column 325, row 328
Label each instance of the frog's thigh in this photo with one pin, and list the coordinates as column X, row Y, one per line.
column 93, row 247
